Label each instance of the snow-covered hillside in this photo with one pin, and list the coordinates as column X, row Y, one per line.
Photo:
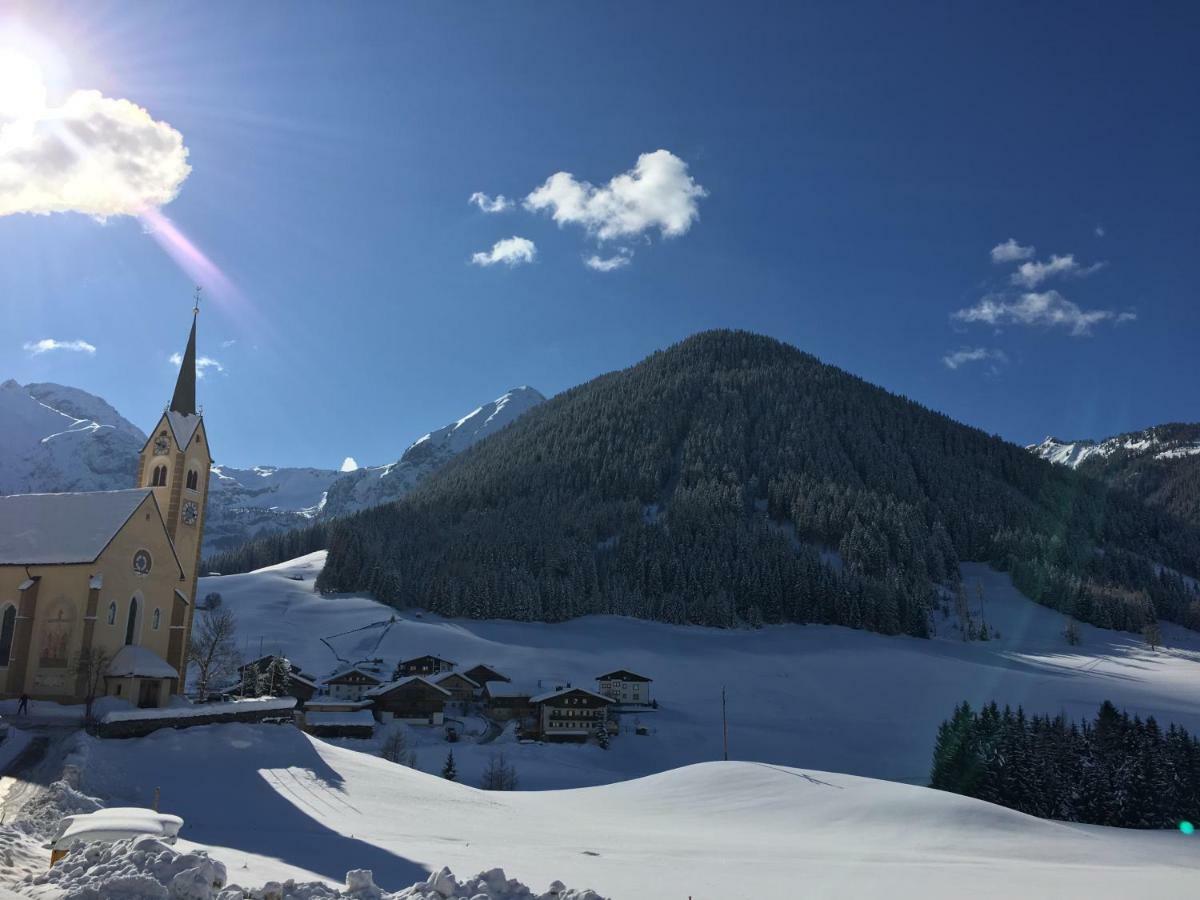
column 815, row 696
column 57, row 438
column 374, row 485
column 270, row 802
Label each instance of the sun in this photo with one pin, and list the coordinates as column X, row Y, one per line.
column 22, row 86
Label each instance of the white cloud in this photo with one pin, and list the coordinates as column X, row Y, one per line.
column 1049, row 309
column 229, row 343
column 496, row 204
column 349, row 464
column 45, row 345
column 93, row 155
column 1100, row 231
column 511, row 251
column 1010, row 251
column 1031, row 274
column 965, row 355
column 203, row 363
column 657, row 193
column 599, row 263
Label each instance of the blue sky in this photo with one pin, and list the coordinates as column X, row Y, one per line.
column 838, row 176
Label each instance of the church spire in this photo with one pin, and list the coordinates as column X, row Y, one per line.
column 184, row 399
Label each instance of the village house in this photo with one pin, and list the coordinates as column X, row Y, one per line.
column 570, row 713
column 482, row 673
column 505, row 700
column 351, row 721
column 422, row 665
column 625, row 687
column 351, row 683
column 85, row 577
column 461, row 688
column 412, row 699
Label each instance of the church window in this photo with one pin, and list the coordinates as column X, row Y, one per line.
column 160, row 476
column 156, row 619
column 131, row 623
column 8, row 624
column 193, row 478
column 112, row 613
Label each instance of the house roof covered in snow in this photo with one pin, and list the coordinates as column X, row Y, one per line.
column 51, row 529
column 622, row 675
column 401, row 682
column 447, row 676
column 134, row 661
column 550, row 695
column 509, row 689
column 352, row 674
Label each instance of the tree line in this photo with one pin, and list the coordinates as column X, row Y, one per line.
column 1112, row 770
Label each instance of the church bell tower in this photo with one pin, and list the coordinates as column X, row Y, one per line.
column 175, row 464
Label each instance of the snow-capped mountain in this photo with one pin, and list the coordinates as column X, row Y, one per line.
column 1161, row 465
column 1161, row 442
column 375, row 485
column 57, row 438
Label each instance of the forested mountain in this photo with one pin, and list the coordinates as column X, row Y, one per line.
column 1160, row 464
column 712, row 483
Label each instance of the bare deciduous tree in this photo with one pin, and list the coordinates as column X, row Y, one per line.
column 213, row 650
column 90, row 667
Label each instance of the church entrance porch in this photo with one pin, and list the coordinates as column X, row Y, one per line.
column 146, row 693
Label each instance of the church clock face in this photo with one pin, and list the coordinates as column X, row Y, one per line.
column 161, row 445
column 190, row 512
column 142, row 563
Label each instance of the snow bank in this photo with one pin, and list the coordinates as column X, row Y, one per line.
column 144, row 868
column 202, row 710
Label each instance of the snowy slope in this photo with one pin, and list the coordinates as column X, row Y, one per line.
column 375, row 485
column 816, row 696
column 280, row 804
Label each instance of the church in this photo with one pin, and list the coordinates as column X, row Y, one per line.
column 98, row 589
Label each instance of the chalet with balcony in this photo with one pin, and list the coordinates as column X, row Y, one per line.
column 412, row 699
column 351, row 683
column 461, row 688
column 570, row 713
column 423, row 665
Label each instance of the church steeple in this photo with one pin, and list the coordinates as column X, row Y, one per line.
column 184, row 399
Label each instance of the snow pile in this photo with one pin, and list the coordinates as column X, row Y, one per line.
column 491, row 885
column 143, row 868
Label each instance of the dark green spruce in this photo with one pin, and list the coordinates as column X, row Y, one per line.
column 1114, row 770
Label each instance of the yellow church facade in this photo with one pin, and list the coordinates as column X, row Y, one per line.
column 98, row 589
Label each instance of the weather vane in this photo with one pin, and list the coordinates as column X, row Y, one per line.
column 196, row 307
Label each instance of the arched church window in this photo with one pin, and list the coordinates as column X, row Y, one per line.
column 132, row 622
column 156, row 619
column 112, row 613
column 8, row 625
column 160, row 476
column 193, row 478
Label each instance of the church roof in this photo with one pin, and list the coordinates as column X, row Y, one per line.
column 63, row 528
column 184, row 399
column 183, row 426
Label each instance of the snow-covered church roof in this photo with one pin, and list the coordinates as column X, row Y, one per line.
column 63, row 528
column 183, row 426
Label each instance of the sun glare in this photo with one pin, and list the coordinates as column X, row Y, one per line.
column 22, row 86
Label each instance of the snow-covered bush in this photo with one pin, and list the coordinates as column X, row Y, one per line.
column 142, row 868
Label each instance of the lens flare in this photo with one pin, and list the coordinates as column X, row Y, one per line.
column 1187, row 827
column 190, row 258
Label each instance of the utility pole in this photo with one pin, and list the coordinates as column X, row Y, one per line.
column 724, row 725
